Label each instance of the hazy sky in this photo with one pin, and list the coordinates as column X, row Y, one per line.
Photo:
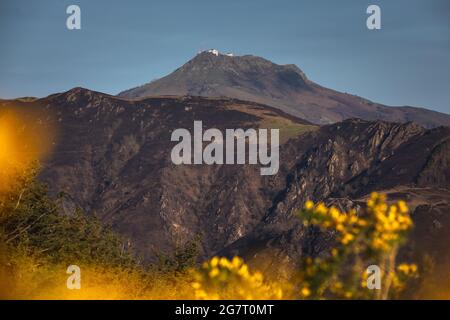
column 127, row 43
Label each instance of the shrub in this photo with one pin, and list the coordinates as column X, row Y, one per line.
column 221, row 278
column 369, row 238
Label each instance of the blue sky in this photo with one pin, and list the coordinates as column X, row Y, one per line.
column 127, row 43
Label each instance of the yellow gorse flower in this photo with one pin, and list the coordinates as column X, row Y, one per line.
column 305, row 292
column 221, row 278
column 407, row 269
column 373, row 235
column 384, row 225
column 348, row 225
column 391, row 223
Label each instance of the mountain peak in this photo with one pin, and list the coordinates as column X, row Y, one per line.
column 213, row 74
column 286, row 87
column 76, row 95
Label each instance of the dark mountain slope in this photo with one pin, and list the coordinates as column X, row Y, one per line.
column 113, row 158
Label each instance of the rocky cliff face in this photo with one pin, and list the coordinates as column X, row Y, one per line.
column 112, row 157
column 341, row 165
column 284, row 87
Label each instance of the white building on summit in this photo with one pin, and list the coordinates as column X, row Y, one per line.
column 214, row 51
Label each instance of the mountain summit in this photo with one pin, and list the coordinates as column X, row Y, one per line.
column 213, row 74
column 286, row 87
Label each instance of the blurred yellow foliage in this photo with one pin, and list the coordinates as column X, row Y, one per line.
column 24, row 138
column 221, row 278
column 371, row 237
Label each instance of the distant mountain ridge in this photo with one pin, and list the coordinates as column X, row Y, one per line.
column 286, row 87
